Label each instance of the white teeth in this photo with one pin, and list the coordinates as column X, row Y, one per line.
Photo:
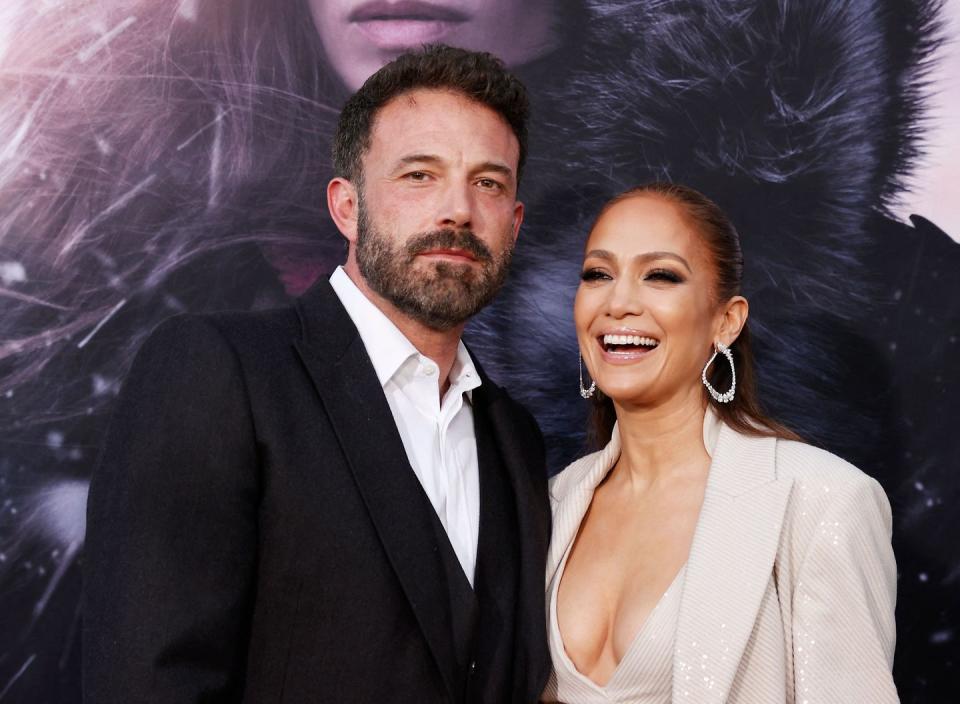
column 630, row 340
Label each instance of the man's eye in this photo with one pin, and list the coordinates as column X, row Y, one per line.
column 417, row 176
column 489, row 184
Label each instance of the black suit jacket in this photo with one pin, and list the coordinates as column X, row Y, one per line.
column 256, row 533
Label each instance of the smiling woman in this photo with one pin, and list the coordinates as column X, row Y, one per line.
column 653, row 565
column 671, row 255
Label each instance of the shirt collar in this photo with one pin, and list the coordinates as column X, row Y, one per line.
column 387, row 347
column 463, row 373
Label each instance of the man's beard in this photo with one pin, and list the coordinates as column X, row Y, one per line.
column 442, row 295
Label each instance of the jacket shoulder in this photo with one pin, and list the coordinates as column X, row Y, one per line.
column 247, row 334
column 233, row 325
column 812, row 465
column 258, row 328
column 826, row 485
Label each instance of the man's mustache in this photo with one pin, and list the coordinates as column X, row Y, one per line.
column 450, row 239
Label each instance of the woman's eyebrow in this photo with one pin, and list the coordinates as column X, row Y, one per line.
column 643, row 258
column 650, row 256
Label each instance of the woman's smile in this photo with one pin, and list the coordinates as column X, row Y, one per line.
column 646, row 281
column 625, row 346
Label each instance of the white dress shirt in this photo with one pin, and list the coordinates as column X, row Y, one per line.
column 438, row 436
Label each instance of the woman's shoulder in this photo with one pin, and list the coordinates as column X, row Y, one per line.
column 800, row 461
column 824, row 483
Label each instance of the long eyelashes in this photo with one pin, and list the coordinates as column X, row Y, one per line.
column 593, row 275
column 664, row 275
column 660, row 275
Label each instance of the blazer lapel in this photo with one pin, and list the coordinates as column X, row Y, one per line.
column 523, row 464
column 353, row 398
column 730, row 565
column 569, row 512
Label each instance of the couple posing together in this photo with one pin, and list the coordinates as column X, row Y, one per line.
column 333, row 502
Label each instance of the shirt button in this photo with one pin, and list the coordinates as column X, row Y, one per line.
column 473, row 666
column 429, row 370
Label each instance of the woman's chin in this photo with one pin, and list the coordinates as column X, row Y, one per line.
column 648, row 397
column 630, row 397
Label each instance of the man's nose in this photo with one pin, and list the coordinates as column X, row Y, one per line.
column 456, row 207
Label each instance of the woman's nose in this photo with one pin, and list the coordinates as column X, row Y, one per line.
column 625, row 299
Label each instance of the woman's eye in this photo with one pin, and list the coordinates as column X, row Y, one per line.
column 594, row 275
column 664, row 275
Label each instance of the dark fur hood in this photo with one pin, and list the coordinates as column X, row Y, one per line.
column 798, row 117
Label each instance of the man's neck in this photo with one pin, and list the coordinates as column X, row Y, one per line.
column 439, row 345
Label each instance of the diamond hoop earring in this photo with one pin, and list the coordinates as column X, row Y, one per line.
column 585, row 392
column 727, row 396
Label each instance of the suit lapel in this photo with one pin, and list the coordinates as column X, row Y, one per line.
column 353, row 398
column 730, row 565
column 495, row 575
column 524, row 465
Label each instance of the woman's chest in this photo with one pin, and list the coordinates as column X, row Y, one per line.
column 620, row 566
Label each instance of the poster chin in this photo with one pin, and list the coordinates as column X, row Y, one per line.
column 161, row 156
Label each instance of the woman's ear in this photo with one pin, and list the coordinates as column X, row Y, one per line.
column 732, row 319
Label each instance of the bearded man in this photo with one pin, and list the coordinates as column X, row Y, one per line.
column 333, row 502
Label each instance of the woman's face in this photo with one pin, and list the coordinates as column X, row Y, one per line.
column 360, row 36
column 645, row 312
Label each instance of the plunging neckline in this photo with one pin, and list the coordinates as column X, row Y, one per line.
column 637, row 637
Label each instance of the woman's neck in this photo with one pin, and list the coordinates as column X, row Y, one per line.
column 661, row 442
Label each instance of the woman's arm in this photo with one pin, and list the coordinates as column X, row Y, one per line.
column 844, row 598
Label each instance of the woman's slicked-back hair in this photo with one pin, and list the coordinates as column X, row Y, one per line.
column 744, row 413
column 476, row 75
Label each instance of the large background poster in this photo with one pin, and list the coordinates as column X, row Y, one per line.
column 164, row 156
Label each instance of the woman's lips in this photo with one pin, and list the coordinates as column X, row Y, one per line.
column 404, row 24
column 625, row 354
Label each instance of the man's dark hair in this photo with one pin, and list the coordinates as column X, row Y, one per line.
column 476, row 75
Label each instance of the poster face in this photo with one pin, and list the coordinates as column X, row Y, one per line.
column 160, row 157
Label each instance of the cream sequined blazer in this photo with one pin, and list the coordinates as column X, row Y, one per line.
column 791, row 581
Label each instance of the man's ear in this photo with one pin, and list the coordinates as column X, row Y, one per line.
column 735, row 312
column 343, row 204
column 517, row 219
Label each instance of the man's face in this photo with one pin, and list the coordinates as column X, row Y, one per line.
column 360, row 36
column 437, row 209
